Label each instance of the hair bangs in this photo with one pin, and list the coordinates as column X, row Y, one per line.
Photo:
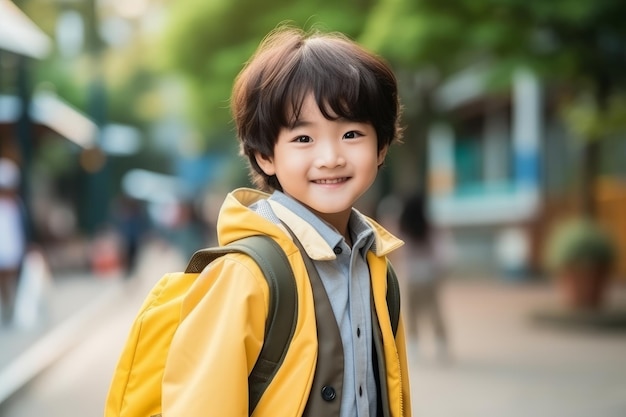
column 339, row 88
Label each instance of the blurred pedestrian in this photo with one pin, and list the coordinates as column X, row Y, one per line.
column 132, row 225
column 425, row 260
column 12, row 236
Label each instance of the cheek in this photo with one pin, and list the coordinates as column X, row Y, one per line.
column 290, row 164
column 370, row 156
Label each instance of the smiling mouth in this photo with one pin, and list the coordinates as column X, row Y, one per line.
column 331, row 180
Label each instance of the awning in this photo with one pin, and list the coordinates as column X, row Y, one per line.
column 49, row 110
column 19, row 34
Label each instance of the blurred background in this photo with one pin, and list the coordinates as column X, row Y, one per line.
column 116, row 151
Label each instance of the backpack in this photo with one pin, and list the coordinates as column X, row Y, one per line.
column 136, row 385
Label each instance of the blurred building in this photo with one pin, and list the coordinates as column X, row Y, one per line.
column 31, row 118
column 501, row 169
column 20, row 40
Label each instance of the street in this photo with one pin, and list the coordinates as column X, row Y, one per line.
column 506, row 365
column 76, row 384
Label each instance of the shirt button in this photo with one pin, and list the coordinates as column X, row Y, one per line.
column 337, row 250
column 328, row 393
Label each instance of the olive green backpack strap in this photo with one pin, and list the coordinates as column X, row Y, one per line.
column 393, row 297
column 283, row 311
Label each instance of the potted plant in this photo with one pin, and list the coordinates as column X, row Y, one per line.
column 581, row 255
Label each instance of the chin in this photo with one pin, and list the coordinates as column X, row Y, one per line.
column 331, row 210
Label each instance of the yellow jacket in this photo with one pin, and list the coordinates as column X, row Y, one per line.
column 223, row 324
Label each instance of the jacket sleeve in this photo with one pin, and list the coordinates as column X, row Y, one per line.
column 217, row 342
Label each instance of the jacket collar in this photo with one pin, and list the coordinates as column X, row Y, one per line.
column 236, row 221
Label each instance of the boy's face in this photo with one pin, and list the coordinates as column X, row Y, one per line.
column 325, row 164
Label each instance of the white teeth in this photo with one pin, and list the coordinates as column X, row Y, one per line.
column 331, row 181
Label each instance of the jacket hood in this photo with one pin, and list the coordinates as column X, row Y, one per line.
column 236, row 221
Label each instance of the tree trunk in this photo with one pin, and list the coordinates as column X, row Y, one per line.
column 590, row 167
column 417, row 118
column 591, row 151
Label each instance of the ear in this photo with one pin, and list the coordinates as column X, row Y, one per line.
column 382, row 154
column 266, row 163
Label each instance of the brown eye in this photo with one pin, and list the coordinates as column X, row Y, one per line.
column 302, row 139
column 351, row 135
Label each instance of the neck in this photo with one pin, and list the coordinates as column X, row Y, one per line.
column 339, row 221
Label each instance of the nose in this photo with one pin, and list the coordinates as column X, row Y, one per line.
column 330, row 155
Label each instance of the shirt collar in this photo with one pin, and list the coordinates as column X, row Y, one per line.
column 317, row 237
column 361, row 231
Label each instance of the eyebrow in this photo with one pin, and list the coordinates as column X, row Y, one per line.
column 305, row 123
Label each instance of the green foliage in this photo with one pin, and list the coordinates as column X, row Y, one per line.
column 410, row 38
column 579, row 242
column 563, row 40
column 589, row 123
column 56, row 157
column 55, row 74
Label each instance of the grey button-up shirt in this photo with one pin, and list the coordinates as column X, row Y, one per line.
column 346, row 279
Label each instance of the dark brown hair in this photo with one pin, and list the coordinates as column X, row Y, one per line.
column 346, row 80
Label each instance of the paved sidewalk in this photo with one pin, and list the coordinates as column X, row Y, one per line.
column 70, row 304
column 506, row 364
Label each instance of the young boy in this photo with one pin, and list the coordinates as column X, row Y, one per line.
column 315, row 115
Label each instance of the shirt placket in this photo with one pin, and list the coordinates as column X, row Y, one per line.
column 359, row 294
